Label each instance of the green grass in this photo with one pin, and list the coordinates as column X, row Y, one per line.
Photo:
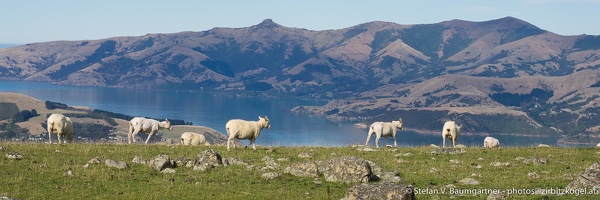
column 40, row 174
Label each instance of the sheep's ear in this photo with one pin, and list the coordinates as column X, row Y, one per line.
column 400, row 119
column 266, row 117
column 166, row 119
column 259, row 117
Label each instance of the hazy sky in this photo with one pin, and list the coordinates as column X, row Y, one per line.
column 29, row 21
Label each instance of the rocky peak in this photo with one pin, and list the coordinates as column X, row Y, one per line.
column 266, row 24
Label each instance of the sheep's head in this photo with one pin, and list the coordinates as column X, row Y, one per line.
column 398, row 124
column 265, row 122
column 168, row 125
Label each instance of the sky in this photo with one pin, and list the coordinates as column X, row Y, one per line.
column 30, row 21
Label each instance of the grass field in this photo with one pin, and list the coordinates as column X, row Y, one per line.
column 42, row 173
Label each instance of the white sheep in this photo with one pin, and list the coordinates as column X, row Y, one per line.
column 150, row 126
column 191, row 138
column 384, row 129
column 490, row 142
column 61, row 126
column 241, row 129
column 451, row 131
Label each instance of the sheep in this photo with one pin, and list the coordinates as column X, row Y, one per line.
column 490, row 142
column 150, row 126
column 61, row 126
column 191, row 138
column 451, row 131
column 384, row 129
column 241, row 129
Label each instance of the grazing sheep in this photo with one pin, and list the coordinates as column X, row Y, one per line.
column 191, row 138
column 241, row 129
column 384, row 129
column 451, row 131
column 490, row 142
column 61, row 126
column 150, row 126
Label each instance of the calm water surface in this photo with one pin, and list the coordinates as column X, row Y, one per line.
column 214, row 110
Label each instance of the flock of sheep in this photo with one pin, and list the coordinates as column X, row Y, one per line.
column 241, row 129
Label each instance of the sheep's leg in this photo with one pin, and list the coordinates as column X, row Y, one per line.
column 50, row 137
column 130, row 134
column 229, row 141
column 443, row 142
column 59, row 138
column 253, row 143
column 132, row 137
column 395, row 144
column 149, row 136
column 368, row 138
column 453, row 146
column 377, row 141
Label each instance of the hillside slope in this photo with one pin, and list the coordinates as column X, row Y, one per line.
column 378, row 69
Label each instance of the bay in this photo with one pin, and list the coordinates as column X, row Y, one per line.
column 215, row 109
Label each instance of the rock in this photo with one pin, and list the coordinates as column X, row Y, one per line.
column 448, row 151
column 115, row 164
column 95, row 160
column 469, row 181
column 305, row 155
column 590, row 178
column 139, row 160
column 271, row 175
column 270, row 163
column 434, row 146
column 543, row 145
column 390, row 177
column 181, row 161
column 380, row 191
column 69, row 173
column 162, row 162
column 536, row 161
column 283, row 159
column 461, row 146
column 14, row 156
column 500, row 164
column 404, row 155
column 346, row 169
column 532, row 175
column 207, row 159
column 233, row 161
column 303, row 169
column 2, row 148
column 168, row 171
column 433, row 170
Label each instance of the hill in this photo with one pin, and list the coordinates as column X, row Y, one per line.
column 479, row 73
column 90, row 125
column 47, row 171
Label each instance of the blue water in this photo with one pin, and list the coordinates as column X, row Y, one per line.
column 214, row 110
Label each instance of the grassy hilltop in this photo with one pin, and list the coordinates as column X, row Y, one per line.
column 57, row 172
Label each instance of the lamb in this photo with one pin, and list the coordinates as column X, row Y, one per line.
column 61, row 126
column 150, row 126
column 191, row 138
column 241, row 129
column 490, row 142
column 451, row 131
column 384, row 129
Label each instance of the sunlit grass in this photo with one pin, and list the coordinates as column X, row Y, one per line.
column 42, row 172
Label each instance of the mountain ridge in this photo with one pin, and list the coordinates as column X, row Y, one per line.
column 444, row 65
